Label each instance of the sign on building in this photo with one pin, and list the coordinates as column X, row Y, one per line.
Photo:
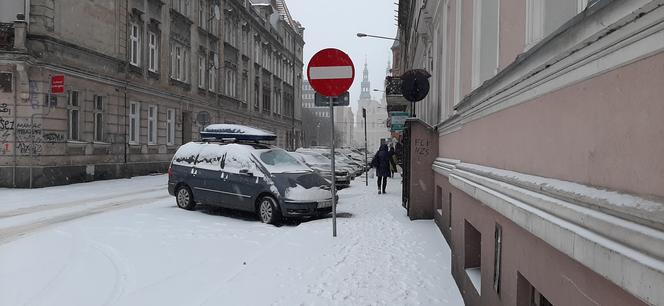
column 58, row 84
column 398, row 120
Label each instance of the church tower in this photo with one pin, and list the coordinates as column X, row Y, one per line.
column 366, row 85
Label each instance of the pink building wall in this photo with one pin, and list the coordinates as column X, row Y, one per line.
column 606, row 131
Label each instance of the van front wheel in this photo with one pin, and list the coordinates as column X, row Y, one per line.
column 184, row 198
column 267, row 210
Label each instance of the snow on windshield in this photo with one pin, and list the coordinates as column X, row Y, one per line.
column 279, row 161
column 299, row 193
column 236, row 129
column 313, row 158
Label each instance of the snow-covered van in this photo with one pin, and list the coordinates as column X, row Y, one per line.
column 232, row 167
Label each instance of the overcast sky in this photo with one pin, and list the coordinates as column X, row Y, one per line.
column 334, row 23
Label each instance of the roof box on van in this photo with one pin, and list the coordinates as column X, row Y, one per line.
column 236, row 132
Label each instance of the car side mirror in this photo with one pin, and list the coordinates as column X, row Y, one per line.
column 246, row 172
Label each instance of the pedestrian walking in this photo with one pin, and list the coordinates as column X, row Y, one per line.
column 393, row 162
column 381, row 161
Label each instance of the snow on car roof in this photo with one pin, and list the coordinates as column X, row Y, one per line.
column 239, row 132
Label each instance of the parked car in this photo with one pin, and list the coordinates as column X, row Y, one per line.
column 232, row 167
column 322, row 165
column 338, row 163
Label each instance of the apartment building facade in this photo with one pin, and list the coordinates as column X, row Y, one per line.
column 547, row 114
column 141, row 77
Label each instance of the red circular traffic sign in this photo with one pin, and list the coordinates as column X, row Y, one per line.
column 331, row 72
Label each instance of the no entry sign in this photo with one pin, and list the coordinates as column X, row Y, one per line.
column 331, row 72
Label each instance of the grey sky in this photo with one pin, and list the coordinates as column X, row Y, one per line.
column 334, row 23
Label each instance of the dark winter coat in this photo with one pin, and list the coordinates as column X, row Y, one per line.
column 381, row 162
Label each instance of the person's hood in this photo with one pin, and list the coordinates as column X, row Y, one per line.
column 383, row 147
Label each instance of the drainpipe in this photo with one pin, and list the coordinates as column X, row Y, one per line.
column 126, row 84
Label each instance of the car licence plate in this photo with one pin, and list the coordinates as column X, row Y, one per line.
column 324, row 204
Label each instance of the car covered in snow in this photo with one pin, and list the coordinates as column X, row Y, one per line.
column 233, row 167
column 322, row 165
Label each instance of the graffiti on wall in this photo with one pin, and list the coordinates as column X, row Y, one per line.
column 5, row 109
column 30, row 137
column 422, row 148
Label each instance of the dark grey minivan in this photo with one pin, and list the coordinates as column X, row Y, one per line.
column 246, row 175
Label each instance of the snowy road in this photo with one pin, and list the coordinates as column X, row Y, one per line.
column 124, row 242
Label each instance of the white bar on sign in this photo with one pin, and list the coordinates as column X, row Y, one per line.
column 331, row 72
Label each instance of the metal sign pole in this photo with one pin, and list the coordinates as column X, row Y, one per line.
column 334, row 176
column 366, row 173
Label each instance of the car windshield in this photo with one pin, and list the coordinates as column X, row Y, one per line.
column 315, row 159
column 279, row 161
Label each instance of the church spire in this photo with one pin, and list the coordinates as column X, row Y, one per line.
column 366, row 85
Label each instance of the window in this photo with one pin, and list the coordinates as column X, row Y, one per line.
column 545, row 17
column 135, row 45
column 212, row 73
column 485, row 40
column 182, row 6
column 153, row 55
column 99, row 118
column 527, row 294
column 134, row 122
column 73, row 112
column 201, row 71
column 230, row 83
column 202, row 19
column 170, row 126
column 152, row 124
column 497, row 253
column 245, row 87
column 257, row 93
column 439, row 200
column 472, row 263
column 179, row 62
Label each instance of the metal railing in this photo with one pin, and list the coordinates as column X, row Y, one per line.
column 392, row 86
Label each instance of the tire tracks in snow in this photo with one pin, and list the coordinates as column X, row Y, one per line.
column 84, row 201
column 11, row 233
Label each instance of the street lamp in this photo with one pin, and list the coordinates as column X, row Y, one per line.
column 362, row 35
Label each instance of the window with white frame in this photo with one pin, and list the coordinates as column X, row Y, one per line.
column 99, row 118
column 153, row 54
column 152, row 124
column 134, row 122
column 170, row 126
column 135, row 45
column 202, row 18
column 201, row 71
column 179, row 62
column 212, row 73
column 73, row 114
column 485, row 40
column 545, row 17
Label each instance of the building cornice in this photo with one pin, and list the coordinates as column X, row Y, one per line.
column 619, row 236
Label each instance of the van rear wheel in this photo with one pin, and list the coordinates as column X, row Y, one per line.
column 267, row 210
column 184, row 198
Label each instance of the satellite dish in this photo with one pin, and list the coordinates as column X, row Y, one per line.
column 217, row 14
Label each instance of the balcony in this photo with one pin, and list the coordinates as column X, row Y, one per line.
column 395, row 100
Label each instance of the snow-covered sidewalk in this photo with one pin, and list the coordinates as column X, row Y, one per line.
column 158, row 254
